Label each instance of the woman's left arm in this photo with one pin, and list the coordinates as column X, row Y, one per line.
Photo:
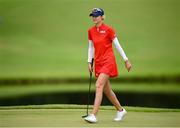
column 122, row 53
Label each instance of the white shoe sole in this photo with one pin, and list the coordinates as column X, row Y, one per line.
column 90, row 121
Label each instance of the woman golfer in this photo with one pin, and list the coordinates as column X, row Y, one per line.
column 100, row 48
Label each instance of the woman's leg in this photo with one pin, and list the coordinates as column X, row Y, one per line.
column 111, row 96
column 100, row 83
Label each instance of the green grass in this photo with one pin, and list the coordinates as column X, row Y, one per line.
column 46, row 38
column 73, row 106
column 15, row 91
column 62, row 116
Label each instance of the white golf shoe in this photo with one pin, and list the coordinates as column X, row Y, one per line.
column 120, row 115
column 91, row 118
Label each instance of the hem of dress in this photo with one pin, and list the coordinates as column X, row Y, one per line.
column 110, row 76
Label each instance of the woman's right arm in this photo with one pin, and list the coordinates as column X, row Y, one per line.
column 90, row 55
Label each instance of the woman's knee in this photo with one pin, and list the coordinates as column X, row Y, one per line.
column 99, row 86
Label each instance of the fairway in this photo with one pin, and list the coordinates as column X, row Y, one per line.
column 46, row 38
column 12, row 91
column 64, row 116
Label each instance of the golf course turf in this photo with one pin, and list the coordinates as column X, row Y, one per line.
column 43, row 38
column 70, row 116
column 47, row 39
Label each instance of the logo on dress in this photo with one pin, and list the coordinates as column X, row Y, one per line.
column 102, row 31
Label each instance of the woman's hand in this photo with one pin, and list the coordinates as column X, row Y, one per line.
column 128, row 65
column 90, row 68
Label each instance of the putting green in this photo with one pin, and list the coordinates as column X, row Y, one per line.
column 64, row 116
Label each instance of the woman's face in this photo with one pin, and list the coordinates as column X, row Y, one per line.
column 97, row 19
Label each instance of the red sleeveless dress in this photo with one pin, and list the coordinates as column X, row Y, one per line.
column 102, row 38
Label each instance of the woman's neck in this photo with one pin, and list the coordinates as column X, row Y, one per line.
column 99, row 24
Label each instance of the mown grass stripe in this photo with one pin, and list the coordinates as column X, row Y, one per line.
column 73, row 106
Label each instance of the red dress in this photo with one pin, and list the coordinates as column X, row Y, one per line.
column 102, row 38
